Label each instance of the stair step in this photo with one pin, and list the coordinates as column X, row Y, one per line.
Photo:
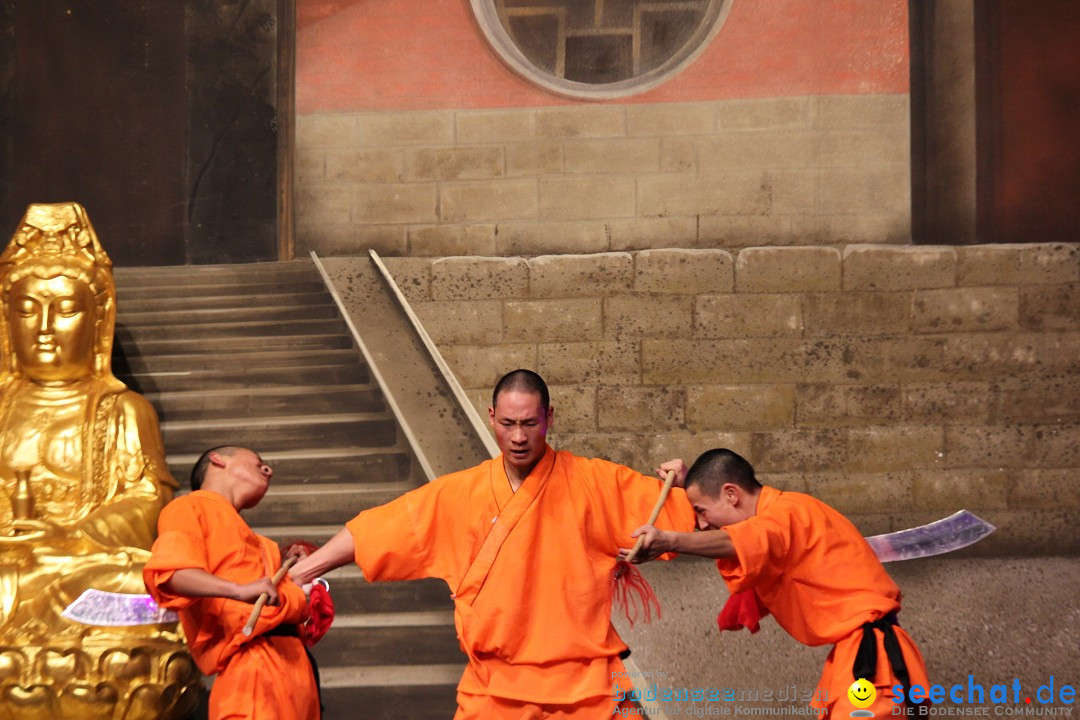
column 317, row 534
column 127, row 291
column 211, row 345
column 281, row 433
column 355, row 595
column 242, row 361
column 248, row 402
column 235, row 301
column 384, row 675
column 323, row 465
column 403, row 644
column 192, row 274
column 239, row 376
column 322, row 503
column 324, row 311
column 227, row 331
column 391, row 702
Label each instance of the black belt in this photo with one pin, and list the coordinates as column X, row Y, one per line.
column 289, row 630
column 865, row 665
column 293, row 630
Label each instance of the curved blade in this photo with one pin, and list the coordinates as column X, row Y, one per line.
column 937, row 538
column 98, row 607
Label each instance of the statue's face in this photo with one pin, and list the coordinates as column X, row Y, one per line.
column 52, row 327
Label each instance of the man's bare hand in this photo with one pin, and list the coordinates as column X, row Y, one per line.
column 676, row 466
column 250, row 592
column 657, row 542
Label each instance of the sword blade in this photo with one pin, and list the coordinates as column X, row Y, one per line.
column 957, row 531
column 109, row 609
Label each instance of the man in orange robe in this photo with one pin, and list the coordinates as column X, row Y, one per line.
column 809, row 567
column 208, row 565
column 527, row 543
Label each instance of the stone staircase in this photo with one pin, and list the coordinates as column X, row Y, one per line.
column 258, row 355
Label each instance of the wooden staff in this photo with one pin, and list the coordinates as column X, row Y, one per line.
column 669, row 481
column 255, row 611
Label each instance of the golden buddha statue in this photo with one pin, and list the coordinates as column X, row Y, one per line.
column 82, row 479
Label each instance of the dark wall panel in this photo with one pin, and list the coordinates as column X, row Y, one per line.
column 97, row 116
column 157, row 115
column 1036, row 151
column 232, row 51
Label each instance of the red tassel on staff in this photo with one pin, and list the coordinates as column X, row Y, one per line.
column 633, row 594
column 631, row 591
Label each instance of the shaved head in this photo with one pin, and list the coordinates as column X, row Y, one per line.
column 524, row 381
column 719, row 466
column 198, row 472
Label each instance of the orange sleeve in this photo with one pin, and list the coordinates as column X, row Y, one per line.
column 761, row 547
column 396, row 541
column 292, row 604
column 180, row 544
column 628, row 498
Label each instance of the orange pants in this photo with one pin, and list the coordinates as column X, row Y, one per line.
column 832, row 692
column 486, row 707
column 270, row 679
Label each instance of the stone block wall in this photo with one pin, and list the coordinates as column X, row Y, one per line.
column 897, row 383
column 805, row 170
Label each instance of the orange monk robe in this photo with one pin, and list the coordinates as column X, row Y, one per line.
column 269, row 678
column 533, row 613
column 821, row 581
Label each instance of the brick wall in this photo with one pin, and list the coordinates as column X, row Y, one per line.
column 897, row 383
column 590, row 178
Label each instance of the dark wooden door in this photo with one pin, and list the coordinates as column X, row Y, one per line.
column 157, row 115
column 1033, row 133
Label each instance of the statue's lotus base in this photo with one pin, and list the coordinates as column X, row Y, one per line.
column 153, row 679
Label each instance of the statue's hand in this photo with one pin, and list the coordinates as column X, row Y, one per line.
column 23, row 532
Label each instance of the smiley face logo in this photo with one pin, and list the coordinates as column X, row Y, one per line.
column 862, row 693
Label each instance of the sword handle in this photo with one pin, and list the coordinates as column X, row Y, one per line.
column 249, row 627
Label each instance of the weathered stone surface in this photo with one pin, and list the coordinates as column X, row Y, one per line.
column 608, row 362
column 580, row 275
column 896, row 447
column 683, row 272
column 490, row 200
column 1049, row 264
column 744, row 315
column 872, row 267
column 641, row 408
column 740, row 407
column 553, row 320
column 965, row 309
column 787, row 270
column 481, row 366
column 478, row 278
column 633, row 316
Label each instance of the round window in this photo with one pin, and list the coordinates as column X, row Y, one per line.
column 599, row 49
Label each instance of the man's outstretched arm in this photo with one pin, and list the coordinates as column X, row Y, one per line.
column 706, row 543
column 339, row 550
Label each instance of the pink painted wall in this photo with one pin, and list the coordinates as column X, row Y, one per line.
column 355, row 55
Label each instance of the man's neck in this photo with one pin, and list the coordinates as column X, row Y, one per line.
column 223, row 489
column 516, row 475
